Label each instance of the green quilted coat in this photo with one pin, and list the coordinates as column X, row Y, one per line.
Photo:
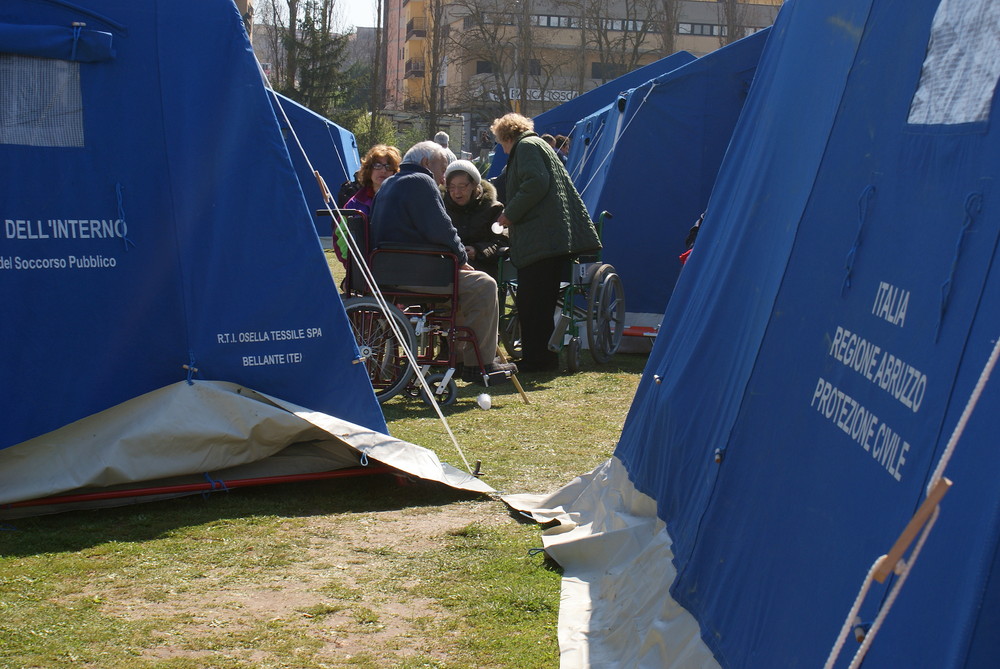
column 547, row 215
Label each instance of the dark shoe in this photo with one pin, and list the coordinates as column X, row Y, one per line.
column 533, row 367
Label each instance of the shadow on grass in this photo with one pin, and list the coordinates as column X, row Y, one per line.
column 402, row 407
column 408, row 407
column 549, row 564
column 77, row 530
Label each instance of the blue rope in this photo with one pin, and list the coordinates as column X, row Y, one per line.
column 191, row 369
column 76, row 38
column 119, row 192
column 864, row 202
column 8, row 528
column 216, row 483
column 532, row 552
column 973, row 205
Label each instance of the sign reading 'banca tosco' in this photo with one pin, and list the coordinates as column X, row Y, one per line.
column 535, row 94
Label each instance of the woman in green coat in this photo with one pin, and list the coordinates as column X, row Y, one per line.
column 548, row 224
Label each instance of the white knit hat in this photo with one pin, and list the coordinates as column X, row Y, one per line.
column 463, row 166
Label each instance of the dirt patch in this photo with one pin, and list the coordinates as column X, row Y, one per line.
column 350, row 589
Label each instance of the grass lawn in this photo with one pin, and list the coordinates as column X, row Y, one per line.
column 348, row 573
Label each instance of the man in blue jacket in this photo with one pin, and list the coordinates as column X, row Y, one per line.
column 408, row 209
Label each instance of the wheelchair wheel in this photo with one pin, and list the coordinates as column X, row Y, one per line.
column 446, row 398
column 573, row 355
column 605, row 314
column 384, row 353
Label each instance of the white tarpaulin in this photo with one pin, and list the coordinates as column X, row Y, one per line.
column 219, row 429
column 605, row 529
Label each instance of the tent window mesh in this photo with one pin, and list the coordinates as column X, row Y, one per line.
column 41, row 104
column 962, row 65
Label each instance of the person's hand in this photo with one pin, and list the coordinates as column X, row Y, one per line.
column 468, row 267
column 503, row 220
column 471, row 252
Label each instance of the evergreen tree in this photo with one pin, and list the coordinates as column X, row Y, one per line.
column 309, row 54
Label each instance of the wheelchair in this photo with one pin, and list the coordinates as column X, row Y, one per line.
column 592, row 299
column 420, row 287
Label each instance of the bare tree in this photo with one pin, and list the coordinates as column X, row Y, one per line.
column 516, row 66
column 733, row 19
column 378, row 73
column 434, row 56
column 621, row 32
column 669, row 15
column 489, row 43
column 306, row 52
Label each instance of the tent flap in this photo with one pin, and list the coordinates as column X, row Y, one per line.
column 61, row 42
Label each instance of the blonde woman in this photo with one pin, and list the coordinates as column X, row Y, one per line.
column 548, row 224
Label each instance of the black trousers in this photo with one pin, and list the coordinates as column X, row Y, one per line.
column 537, row 295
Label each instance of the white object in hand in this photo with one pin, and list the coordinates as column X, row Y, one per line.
column 484, row 401
column 497, row 228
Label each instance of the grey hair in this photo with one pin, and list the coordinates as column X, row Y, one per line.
column 442, row 138
column 426, row 149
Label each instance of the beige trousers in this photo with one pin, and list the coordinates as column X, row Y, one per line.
column 478, row 310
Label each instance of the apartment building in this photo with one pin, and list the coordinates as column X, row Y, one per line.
column 484, row 57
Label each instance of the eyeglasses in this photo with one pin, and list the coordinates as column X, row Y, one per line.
column 455, row 185
column 383, row 166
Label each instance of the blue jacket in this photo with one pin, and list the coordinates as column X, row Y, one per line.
column 408, row 209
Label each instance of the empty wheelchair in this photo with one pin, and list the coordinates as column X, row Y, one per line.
column 591, row 300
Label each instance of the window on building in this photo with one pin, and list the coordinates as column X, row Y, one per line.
column 535, row 67
column 484, row 67
column 549, row 21
column 707, row 29
column 606, row 71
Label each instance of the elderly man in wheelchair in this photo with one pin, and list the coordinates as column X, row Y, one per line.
column 410, row 231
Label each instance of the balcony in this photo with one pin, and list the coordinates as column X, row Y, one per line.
column 416, row 27
column 413, row 68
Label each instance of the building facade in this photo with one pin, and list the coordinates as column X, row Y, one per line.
column 483, row 58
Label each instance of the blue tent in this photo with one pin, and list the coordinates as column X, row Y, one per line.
column 823, row 342
column 332, row 151
column 560, row 119
column 158, row 262
column 651, row 158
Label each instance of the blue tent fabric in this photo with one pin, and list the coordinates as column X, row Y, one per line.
column 561, row 119
column 331, row 149
column 63, row 42
column 175, row 243
column 651, row 159
column 821, row 344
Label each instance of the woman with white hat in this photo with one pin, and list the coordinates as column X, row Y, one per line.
column 473, row 207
